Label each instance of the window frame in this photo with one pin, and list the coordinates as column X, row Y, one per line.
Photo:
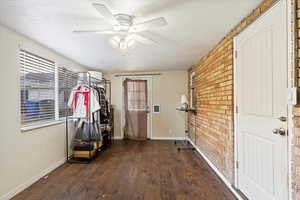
column 192, row 90
column 57, row 119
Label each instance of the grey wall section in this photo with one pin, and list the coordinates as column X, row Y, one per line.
column 167, row 90
column 24, row 156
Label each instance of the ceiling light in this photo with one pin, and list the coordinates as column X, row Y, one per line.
column 130, row 43
column 129, row 37
column 115, row 41
column 122, row 43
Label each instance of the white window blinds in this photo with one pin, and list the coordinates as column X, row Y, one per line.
column 37, row 89
column 67, row 80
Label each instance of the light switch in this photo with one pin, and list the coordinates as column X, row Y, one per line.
column 292, row 96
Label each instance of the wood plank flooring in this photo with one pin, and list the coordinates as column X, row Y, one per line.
column 133, row 170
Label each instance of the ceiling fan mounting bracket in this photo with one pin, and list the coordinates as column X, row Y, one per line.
column 124, row 19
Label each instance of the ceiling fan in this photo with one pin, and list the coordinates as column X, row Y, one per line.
column 126, row 32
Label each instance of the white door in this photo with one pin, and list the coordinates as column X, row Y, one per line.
column 261, row 88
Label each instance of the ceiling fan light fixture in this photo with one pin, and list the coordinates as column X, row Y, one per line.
column 129, row 37
column 130, row 43
column 116, row 37
column 115, row 41
column 123, row 45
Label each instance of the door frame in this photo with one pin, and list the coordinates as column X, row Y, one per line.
column 150, row 100
column 290, row 14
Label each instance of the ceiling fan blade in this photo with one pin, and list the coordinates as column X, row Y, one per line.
column 153, row 23
column 95, row 31
column 106, row 13
column 143, row 39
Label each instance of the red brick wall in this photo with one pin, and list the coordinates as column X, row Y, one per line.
column 296, row 155
column 214, row 86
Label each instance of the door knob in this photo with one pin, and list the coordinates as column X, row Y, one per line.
column 282, row 131
column 283, row 118
column 275, row 131
column 147, row 109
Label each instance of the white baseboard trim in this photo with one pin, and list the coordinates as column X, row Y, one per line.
column 213, row 167
column 167, row 138
column 118, row 138
column 156, row 138
column 31, row 181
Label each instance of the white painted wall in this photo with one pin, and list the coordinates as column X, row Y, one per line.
column 167, row 90
column 24, row 156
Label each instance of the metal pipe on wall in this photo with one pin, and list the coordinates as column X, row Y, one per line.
column 150, row 74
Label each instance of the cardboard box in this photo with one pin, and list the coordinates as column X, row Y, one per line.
column 84, row 154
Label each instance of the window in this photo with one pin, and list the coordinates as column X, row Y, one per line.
column 193, row 98
column 66, row 81
column 136, row 95
column 37, row 89
column 45, row 89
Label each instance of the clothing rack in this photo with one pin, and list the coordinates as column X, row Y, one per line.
column 92, row 124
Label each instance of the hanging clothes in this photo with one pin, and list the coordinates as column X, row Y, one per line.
column 103, row 114
column 88, row 132
column 104, row 111
column 83, row 100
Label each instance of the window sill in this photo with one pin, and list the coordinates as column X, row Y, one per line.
column 43, row 125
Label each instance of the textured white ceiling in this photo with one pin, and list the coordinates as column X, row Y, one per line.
column 195, row 26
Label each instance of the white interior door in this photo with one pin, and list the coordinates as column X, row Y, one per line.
column 261, row 89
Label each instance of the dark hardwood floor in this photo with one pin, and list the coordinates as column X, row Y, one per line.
column 133, row 170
